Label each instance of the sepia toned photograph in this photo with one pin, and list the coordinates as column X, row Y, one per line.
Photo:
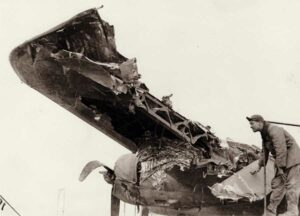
column 150, row 108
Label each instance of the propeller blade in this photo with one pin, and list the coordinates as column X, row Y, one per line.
column 90, row 166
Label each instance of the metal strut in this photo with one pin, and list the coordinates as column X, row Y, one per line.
column 282, row 123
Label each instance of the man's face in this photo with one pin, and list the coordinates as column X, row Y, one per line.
column 256, row 125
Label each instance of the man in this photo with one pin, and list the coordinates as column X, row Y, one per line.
column 286, row 152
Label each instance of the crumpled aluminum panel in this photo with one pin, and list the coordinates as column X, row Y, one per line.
column 243, row 185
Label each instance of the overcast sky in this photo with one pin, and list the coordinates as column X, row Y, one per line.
column 222, row 60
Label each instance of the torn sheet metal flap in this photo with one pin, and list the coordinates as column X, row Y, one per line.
column 85, row 67
column 244, row 185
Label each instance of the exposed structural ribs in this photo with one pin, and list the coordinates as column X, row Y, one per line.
column 180, row 126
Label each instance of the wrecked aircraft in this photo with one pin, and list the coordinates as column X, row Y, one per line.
column 177, row 166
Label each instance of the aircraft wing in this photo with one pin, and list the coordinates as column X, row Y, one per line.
column 76, row 65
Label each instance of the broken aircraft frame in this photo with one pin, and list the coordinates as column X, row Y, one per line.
column 177, row 166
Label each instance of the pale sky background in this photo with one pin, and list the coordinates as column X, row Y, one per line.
column 222, row 60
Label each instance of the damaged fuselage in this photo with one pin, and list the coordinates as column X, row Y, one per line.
column 169, row 179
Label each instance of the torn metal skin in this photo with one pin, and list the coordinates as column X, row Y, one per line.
column 176, row 160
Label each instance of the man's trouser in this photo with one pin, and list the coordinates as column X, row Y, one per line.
column 290, row 188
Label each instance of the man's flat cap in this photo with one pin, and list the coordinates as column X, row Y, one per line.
column 257, row 118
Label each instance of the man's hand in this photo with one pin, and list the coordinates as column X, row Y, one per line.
column 255, row 171
column 282, row 174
